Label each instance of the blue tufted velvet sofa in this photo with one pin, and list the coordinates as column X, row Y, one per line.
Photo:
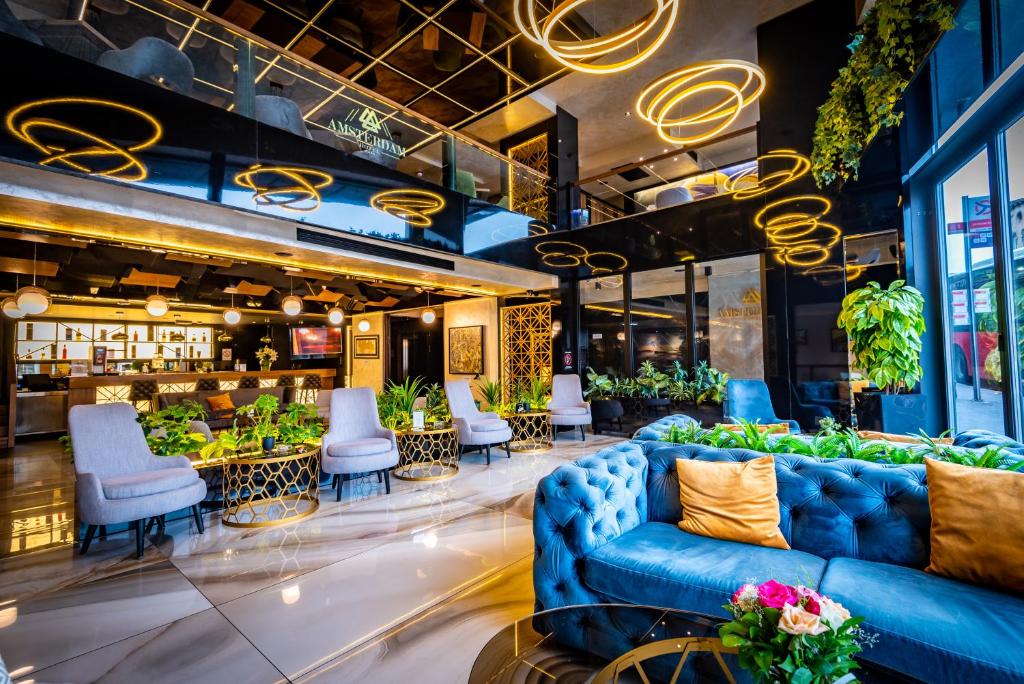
column 605, row 532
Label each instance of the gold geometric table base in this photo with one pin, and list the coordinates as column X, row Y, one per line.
column 531, row 432
column 681, row 647
column 427, row 455
column 273, row 490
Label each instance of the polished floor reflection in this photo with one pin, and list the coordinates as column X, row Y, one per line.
column 374, row 588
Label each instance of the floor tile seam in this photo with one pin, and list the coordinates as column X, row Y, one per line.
column 408, row 618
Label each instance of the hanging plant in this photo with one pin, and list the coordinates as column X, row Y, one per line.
column 894, row 38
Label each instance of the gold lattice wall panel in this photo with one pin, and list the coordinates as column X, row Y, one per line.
column 525, row 344
column 529, row 192
column 113, row 394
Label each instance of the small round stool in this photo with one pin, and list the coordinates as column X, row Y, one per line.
column 248, row 382
column 207, row 385
column 143, row 395
column 310, row 389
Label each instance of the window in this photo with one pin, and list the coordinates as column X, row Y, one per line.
column 970, row 299
column 601, row 321
column 1015, row 212
column 659, row 318
column 958, row 65
column 730, row 333
column 1011, row 27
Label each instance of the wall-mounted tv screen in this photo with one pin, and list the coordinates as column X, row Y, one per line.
column 314, row 343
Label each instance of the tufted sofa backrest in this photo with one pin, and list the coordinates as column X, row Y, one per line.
column 831, row 508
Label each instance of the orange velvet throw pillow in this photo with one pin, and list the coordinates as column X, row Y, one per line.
column 732, row 501
column 221, row 403
column 976, row 528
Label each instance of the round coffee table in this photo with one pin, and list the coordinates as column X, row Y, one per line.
column 605, row 643
column 268, row 488
column 531, row 432
column 425, row 455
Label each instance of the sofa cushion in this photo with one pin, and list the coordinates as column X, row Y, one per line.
column 489, row 425
column 147, row 482
column 935, row 629
column 657, row 564
column 360, row 447
column 569, row 411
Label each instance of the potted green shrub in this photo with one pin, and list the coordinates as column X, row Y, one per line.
column 652, row 385
column 261, row 414
column 169, row 431
column 604, row 407
column 885, row 326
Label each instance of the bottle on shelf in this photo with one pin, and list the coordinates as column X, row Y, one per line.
column 204, row 336
column 135, row 336
column 64, row 351
column 191, row 351
column 67, row 333
column 135, row 353
column 103, row 334
column 28, row 331
column 53, row 351
column 78, row 334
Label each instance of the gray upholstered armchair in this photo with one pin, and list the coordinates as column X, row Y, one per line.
column 476, row 429
column 356, row 443
column 567, row 406
column 119, row 479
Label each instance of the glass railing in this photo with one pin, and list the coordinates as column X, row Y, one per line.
column 192, row 52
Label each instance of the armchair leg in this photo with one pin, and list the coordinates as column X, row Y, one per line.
column 89, row 532
column 341, row 485
column 199, row 518
column 583, row 433
column 103, row 532
column 149, row 524
column 334, row 482
column 488, row 454
column 380, row 477
column 508, row 451
column 139, row 537
column 387, row 480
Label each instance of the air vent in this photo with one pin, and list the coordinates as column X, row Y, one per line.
column 634, row 174
column 350, row 245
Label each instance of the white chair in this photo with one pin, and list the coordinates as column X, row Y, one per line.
column 119, row 479
column 567, row 406
column 356, row 443
column 476, row 429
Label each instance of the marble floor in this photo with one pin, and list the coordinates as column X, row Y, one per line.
column 373, row 588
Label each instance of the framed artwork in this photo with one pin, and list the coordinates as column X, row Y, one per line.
column 466, row 350
column 366, row 347
column 225, row 354
column 838, row 341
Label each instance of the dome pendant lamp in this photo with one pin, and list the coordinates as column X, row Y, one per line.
column 335, row 316
column 291, row 305
column 32, row 300
column 429, row 315
column 232, row 315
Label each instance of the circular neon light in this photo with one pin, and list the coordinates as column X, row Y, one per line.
column 565, row 254
column 232, row 316
column 763, row 220
column 800, row 166
column 290, row 187
column 662, row 102
column 38, row 124
column 652, row 29
column 412, row 205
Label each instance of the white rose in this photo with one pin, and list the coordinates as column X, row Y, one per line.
column 832, row 614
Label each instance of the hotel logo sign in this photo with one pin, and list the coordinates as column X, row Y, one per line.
column 365, row 126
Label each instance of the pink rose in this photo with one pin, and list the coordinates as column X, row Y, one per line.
column 809, row 599
column 776, row 595
column 742, row 593
column 795, row 620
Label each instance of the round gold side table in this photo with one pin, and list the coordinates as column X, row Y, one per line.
column 264, row 489
column 425, row 455
column 531, row 432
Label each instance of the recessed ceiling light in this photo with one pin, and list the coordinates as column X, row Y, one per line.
column 291, row 269
column 283, row 254
column 675, row 158
column 628, row 114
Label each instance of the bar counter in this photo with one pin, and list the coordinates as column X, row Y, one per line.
column 105, row 389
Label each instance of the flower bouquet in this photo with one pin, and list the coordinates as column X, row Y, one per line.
column 792, row 635
column 266, row 356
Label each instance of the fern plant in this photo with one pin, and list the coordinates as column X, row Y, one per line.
column 490, row 390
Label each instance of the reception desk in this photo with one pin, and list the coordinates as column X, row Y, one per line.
column 106, row 389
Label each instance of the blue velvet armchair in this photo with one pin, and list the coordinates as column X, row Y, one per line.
column 750, row 400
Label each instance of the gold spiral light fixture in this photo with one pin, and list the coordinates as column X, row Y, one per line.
column 294, row 188
column 796, row 234
column 770, row 180
column 565, row 254
column 678, row 103
column 412, row 205
column 626, row 47
column 40, row 123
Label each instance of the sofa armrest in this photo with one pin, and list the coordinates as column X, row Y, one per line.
column 489, row 415
column 89, row 498
column 465, row 432
column 389, row 435
column 578, row 508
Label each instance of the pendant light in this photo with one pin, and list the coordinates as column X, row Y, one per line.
column 32, row 300
column 335, row 316
column 157, row 305
column 364, row 325
column 292, row 304
column 11, row 310
column 232, row 315
column 429, row 315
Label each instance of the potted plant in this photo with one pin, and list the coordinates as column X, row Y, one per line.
column 266, row 356
column 885, row 326
column 261, row 414
column 604, row 407
column 299, row 424
column 169, row 431
column 438, row 413
column 707, row 391
column 491, row 392
column 652, row 385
